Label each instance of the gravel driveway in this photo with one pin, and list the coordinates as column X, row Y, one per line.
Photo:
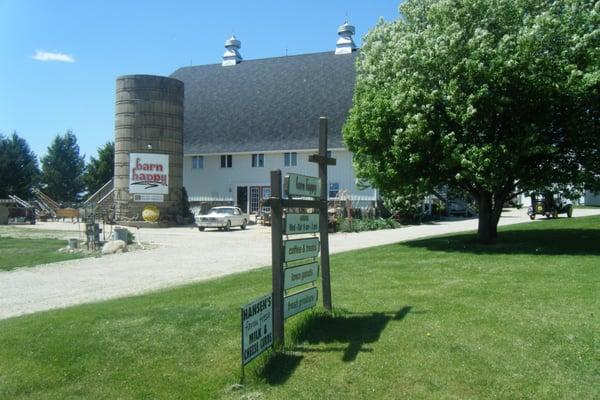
column 179, row 256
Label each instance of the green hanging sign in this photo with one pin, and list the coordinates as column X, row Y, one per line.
column 301, row 223
column 296, row 185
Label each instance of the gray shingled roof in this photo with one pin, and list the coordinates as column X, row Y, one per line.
column 268, row 104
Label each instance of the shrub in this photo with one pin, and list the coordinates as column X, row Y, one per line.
column 367, row 224
column 130, row 237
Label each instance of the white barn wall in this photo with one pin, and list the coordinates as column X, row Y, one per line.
column 215, row 183
column 591, row 199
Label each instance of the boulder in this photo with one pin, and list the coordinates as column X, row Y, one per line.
column 114, row 246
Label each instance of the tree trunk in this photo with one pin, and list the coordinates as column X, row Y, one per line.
column 490, row 209
column 487, row 231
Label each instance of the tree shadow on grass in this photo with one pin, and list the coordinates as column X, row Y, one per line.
column 531, row 241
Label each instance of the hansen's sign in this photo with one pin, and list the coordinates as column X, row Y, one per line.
column 257, row 327
column 148, row 173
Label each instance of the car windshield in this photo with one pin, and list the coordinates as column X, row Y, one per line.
column 220, row 210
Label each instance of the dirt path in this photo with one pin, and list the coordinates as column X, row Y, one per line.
column 179, row 256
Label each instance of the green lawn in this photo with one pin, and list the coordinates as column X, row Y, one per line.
column 18, row 252
column 435, row 318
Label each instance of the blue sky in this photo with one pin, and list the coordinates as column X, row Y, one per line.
column 59, row 59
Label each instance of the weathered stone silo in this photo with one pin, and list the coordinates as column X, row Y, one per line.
column 148, row 146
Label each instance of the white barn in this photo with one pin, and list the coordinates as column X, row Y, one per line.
column 243, row 119
column 591, row 198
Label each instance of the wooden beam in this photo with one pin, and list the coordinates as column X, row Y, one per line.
column 317, row 158
column 323, row 216
column 294, row 203
column 277, row 257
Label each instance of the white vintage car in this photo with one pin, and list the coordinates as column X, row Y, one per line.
column 222, row 218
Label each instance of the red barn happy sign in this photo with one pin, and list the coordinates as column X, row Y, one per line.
column 148, row 173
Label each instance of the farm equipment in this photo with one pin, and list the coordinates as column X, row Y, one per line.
column 549, row 204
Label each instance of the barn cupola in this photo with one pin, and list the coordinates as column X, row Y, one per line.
column 232, row 54
column 345, row 44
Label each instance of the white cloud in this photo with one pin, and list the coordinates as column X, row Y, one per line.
column 42, row 55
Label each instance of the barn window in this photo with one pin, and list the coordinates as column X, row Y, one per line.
column 334, row 188
column 226, row 161
column 258, row 160
column 290, row 159
column 197, row 162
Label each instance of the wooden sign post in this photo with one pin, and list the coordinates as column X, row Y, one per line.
column 275, row 202
column 297, row 189
column 323, row 161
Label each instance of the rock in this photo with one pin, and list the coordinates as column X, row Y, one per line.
column 114, row 246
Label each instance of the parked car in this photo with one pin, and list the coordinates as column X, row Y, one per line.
column 549, row 204
column 222, row 218
column 457, row 207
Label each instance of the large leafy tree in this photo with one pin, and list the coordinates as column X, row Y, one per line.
column 62, row 169
column 100, row 170
column 18, row 167
column 482, row 96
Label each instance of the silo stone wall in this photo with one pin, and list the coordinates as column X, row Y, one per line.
column 148, row 119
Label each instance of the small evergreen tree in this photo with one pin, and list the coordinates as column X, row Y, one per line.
column 100, row 170
column 62, row 169
column 184, row 205
column 19, row 170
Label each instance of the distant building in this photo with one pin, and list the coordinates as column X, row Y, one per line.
column 244, row 118
column 591, row 199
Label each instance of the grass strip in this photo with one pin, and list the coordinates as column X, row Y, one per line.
column 18, row 252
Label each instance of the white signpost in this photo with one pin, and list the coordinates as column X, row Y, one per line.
column 302, row 185
column 301, row 223
column 300, row 275
column 297, row 249
column 257, row 328
column 299, row 302
column 148, row 173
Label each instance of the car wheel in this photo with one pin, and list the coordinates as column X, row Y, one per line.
column 569, row 211
column 201, row 228
column 243, row 225
column 228, row 225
